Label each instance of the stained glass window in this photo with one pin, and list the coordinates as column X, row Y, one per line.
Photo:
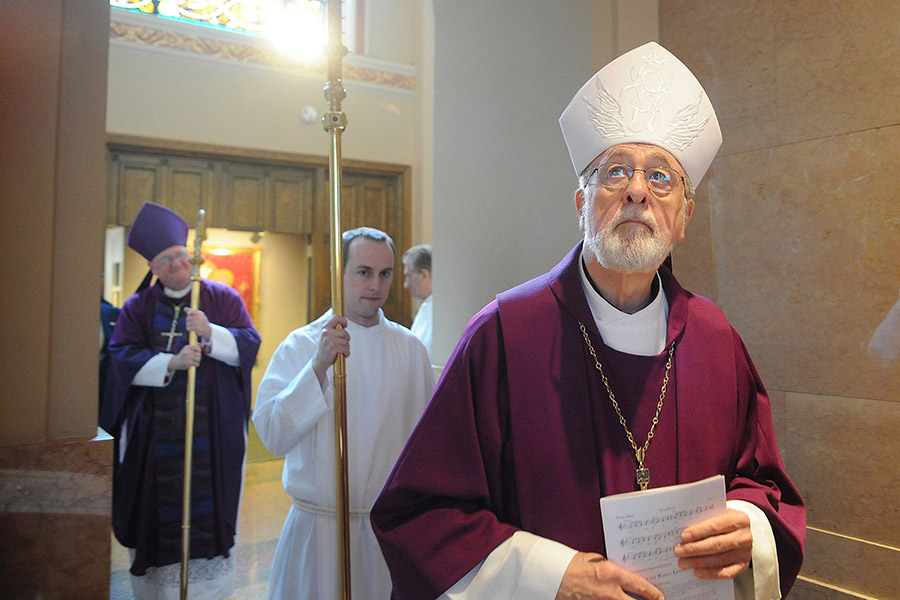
column 256, row 17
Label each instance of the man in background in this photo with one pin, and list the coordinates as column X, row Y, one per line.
column 417, row 279
column 388, row 380
column 144, row 410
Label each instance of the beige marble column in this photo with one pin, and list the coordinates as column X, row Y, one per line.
column 55, row 501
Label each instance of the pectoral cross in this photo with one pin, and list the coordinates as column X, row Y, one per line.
column 172, row 334
column 643, row 478
column 642, row 473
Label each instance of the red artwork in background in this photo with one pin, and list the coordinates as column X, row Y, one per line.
column 234, row 269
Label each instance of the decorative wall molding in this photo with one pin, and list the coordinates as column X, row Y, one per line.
column 824, row 585
column 155, row 33
column 853, row 539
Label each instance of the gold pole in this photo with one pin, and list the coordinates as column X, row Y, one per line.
column 334, row 122
column 196, row 261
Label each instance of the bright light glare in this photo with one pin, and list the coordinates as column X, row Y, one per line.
column 299, row 33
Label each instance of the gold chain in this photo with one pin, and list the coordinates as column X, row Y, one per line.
column 639, row 453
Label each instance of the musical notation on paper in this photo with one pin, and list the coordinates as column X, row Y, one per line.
column 643, row 528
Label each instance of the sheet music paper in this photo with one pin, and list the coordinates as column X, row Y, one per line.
column 643, row 528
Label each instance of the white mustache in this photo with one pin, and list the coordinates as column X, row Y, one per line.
column 634, row 213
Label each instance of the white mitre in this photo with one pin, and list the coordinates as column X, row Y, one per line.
column 645, row 96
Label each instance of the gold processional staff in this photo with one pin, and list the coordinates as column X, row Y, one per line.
column 334, row 122
column 196, row 261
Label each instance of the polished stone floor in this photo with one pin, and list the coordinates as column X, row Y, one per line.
column 263, row 508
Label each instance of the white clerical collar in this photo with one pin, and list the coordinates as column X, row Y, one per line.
column 642, row 333
column 176, row 293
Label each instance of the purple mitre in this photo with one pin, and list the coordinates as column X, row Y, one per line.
column 156, row 228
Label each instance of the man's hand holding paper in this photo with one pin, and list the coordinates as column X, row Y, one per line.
column 717, row 548
column 590, row 575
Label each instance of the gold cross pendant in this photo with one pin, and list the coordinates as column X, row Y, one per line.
column 643, row 477
column 642, row 473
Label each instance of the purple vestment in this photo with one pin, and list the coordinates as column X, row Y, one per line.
column 223, row 407
column 521, row 435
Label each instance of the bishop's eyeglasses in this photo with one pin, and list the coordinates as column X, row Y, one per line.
column 179, row 255
column 614, row 176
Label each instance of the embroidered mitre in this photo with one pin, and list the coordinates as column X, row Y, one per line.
column 645, row 96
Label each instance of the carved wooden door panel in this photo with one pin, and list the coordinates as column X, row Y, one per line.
column 182, row 184
column 133, row 180
column 243, row 200
column 291, row 193
column 188, row 185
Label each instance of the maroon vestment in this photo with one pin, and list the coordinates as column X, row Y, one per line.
column 521, row 435
column 148, row 480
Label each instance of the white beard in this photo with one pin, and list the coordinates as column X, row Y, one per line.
column 631, row 249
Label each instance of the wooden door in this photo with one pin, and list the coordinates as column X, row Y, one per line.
column 367, row 199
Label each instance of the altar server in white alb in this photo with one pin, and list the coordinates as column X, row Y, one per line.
column 389, row 381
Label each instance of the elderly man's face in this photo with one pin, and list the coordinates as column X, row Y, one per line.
column 173, row 267
column 632, row 229
column 417, row 282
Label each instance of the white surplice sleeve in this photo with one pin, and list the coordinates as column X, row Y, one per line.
column 223, row 346
column 529, row 567
column 155, row 372
column 290, row 400
column 762, row 581
column 525, row 566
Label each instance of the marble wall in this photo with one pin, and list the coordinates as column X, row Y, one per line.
column 797, row 237
column 55, row 515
